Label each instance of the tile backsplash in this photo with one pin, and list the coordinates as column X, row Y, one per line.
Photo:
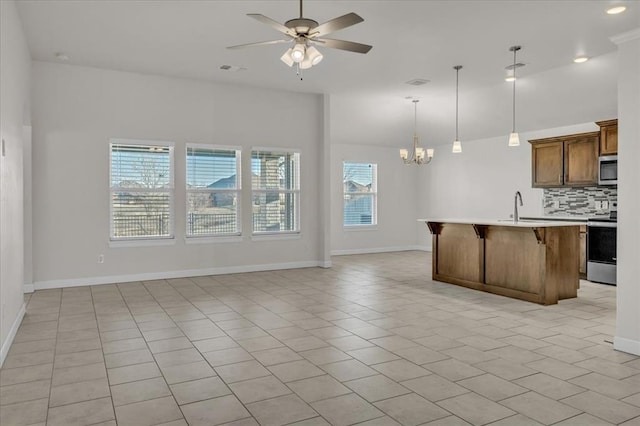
column 579, row 201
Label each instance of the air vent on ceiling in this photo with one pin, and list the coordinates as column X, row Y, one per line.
column 514, row 66
column 417, row 82
column 232, row 68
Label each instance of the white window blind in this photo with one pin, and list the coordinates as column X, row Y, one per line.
column 275, row 182
column 141, row 190
column 360, row 182
column 213, row 189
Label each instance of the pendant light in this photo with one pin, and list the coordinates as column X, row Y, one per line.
column 514, row 138
column 417, row 155
column 457, row 146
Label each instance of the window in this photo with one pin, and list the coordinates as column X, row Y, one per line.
column 359, row 182
column 141, row 190
column 275, row 180
column 213, row 185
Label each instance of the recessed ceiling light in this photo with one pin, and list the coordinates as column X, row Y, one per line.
column 615, row 10
column 581, row 59
column 61, row 56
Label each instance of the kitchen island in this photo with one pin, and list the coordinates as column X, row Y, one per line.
column 537, row 261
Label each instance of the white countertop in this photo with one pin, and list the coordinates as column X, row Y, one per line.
column 505, row 222
column 563, row 218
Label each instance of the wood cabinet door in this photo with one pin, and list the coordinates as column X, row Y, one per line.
column 546, row 164
column 609, row 140
column 581, row 160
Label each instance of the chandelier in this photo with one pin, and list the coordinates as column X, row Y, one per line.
column 417, row 154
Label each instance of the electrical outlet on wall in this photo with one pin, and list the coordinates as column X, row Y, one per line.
column 605, row 205
column 101, row 258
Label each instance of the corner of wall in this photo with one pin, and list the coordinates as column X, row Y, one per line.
column 626, row 345
column 4, row 350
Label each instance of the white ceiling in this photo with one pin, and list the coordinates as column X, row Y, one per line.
column 411, row 39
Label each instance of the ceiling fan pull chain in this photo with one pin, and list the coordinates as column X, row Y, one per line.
column 299, row 71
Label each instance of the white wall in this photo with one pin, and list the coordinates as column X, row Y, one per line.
column 481, row 181
column 628, row 292
column 14, row 115
column 76, row 111
column 397, row 202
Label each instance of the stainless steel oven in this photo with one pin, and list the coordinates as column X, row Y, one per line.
column 601, row 250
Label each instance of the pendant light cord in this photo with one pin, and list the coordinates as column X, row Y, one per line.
column 457, row 74
column 514, row 90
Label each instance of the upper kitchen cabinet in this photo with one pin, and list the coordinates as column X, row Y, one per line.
column 547, row 163
column 565, row 161
column 608, row 137
column 581, row 160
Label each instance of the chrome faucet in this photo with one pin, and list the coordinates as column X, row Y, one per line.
column 515, row 206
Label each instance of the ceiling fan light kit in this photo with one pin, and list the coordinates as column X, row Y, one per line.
column 314, row 55
column 297, row 53
column 286, row 57
column 304, row 33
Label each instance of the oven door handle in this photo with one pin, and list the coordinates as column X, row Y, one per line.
column 602, row 225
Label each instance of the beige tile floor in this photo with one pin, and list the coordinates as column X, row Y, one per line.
column 371, row 341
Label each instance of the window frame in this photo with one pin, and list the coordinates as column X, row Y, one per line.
column 286, row 234
column 144, row 240
column 227, row 236
column 374, row 198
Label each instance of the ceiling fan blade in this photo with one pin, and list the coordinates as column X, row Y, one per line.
column 260, row 43
column 336, row 24
column 350, row 46
column 274, row 24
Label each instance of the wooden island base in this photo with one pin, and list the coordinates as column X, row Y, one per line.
column 536, row 264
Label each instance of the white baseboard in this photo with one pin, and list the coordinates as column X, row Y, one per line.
column 113, row 279
column 4, row 350
column 378, row 250
column 28, row 288
column 626, row 345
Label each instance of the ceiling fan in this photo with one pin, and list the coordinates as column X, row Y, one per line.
column 304, row 33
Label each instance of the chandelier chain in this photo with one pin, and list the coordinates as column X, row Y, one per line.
column 415, row 117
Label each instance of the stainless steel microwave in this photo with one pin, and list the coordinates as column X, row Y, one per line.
column 608, row 170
